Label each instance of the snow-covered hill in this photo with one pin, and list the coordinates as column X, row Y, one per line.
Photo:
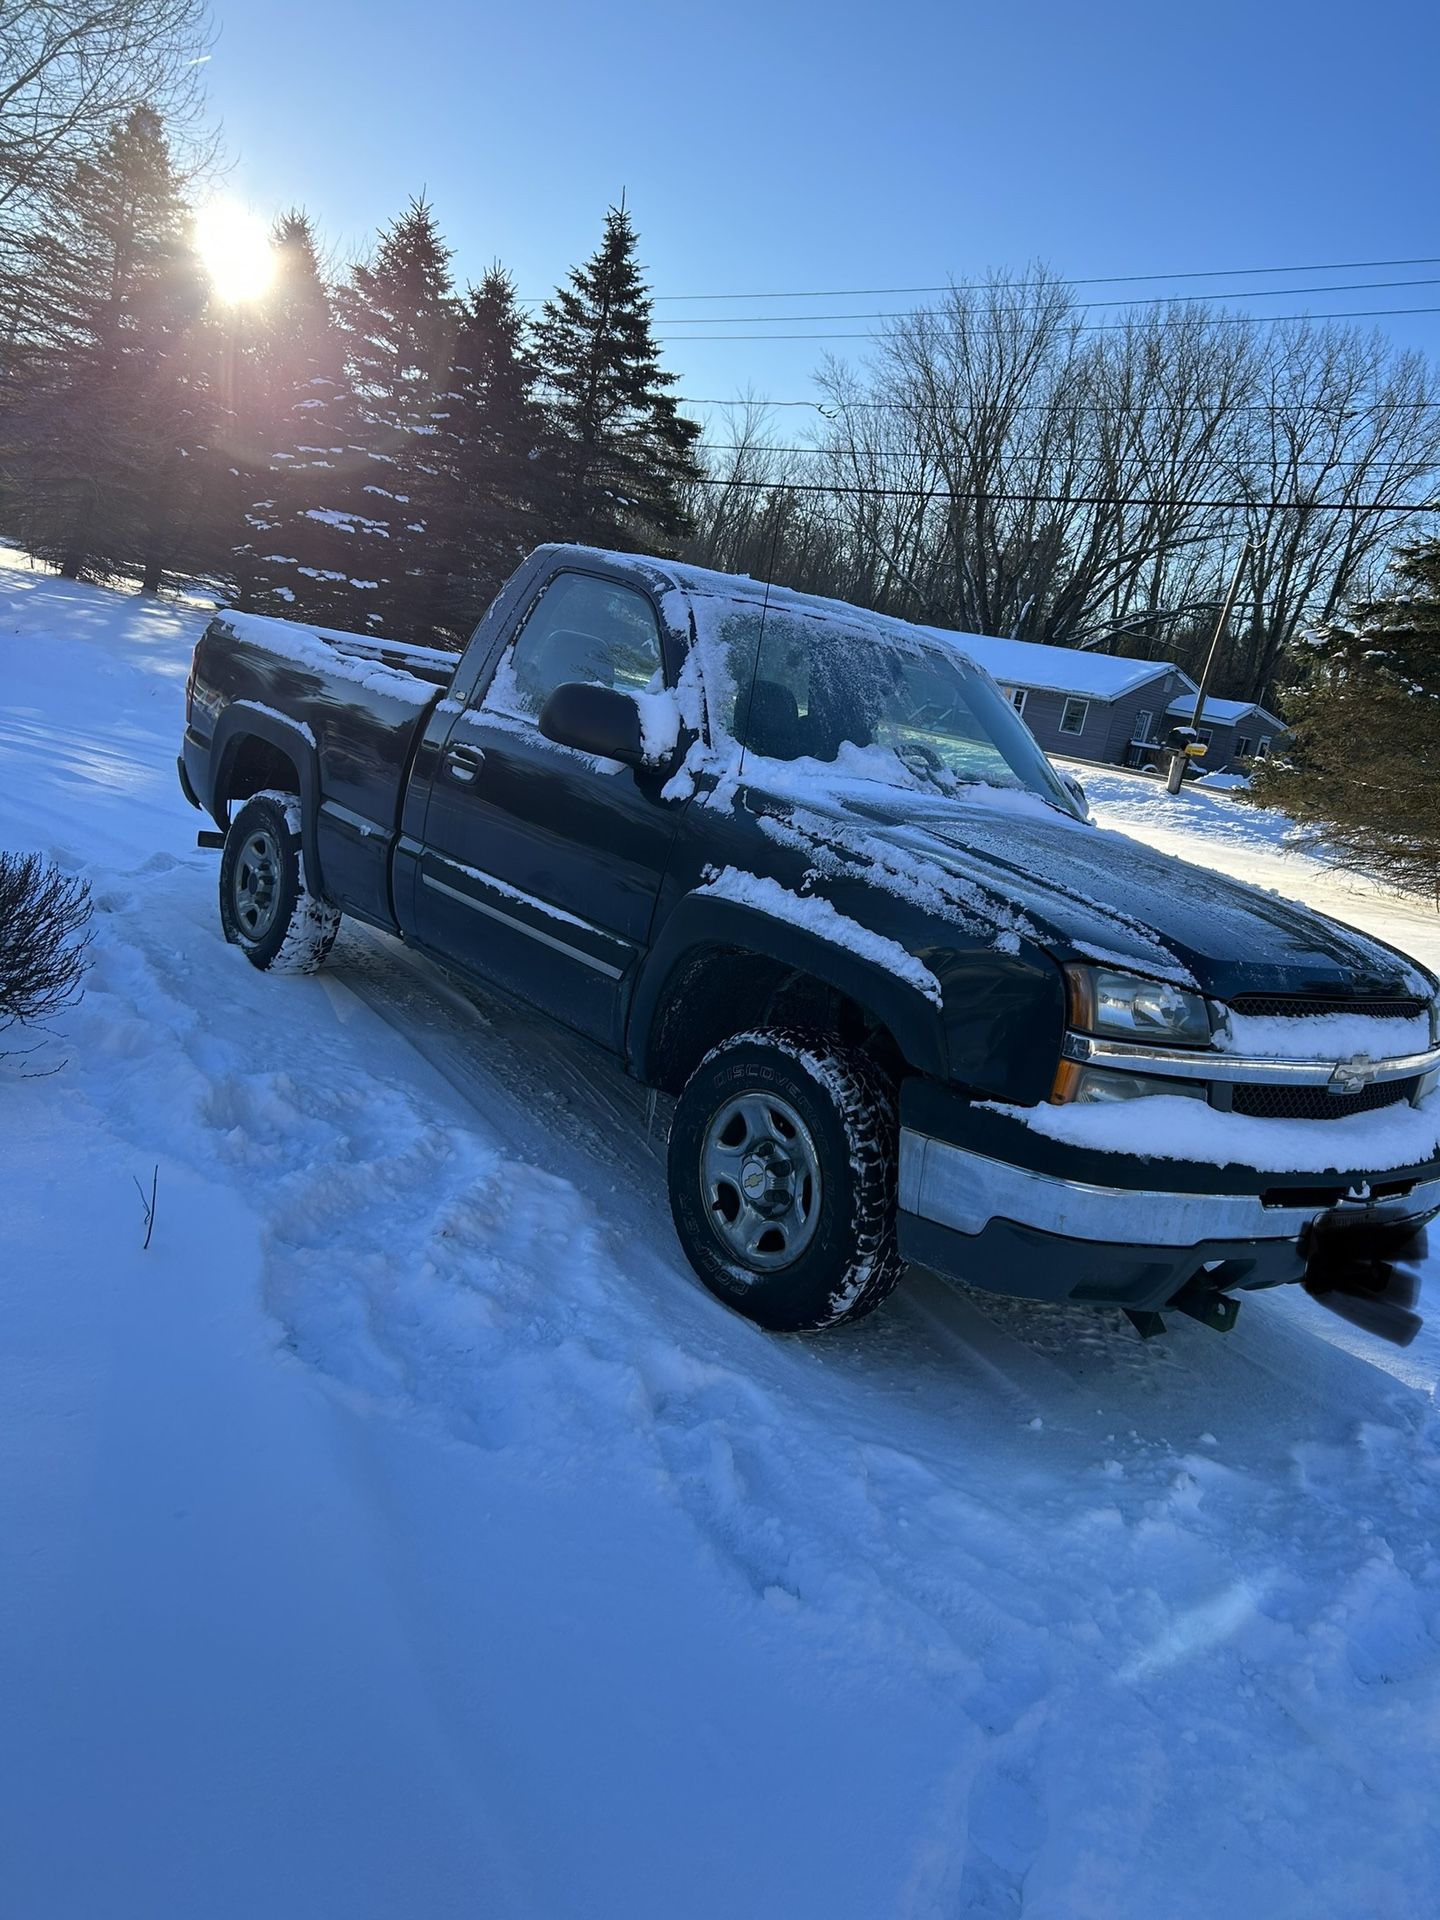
column 407, row 1534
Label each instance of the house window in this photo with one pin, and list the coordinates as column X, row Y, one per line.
column 1144, row 720
column 1262, row 752
column 1242, row 747
column 1017, row 698
column 1072, row 720
column 1204, row 736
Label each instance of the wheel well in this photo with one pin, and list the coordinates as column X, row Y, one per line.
column 251, row 766
column 723, row 990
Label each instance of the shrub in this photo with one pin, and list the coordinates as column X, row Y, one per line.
column 43, row 938
column 1363, row 775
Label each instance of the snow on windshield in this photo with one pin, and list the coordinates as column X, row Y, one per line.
column 868, row 696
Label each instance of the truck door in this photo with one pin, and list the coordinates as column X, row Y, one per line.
column 540, row 865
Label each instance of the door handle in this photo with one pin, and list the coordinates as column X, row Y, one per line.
column 463, row 763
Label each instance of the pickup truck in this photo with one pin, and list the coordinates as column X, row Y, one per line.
column 805, row 869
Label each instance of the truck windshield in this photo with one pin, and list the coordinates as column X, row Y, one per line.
column 884, row 698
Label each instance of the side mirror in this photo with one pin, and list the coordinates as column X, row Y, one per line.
column 594, row 720
column 1076, row 792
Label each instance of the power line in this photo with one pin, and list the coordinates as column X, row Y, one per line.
column 908, row 453
column 1081, row 306
column 1030, row 406
column 1069, row 499
column 1091, row 280
column 1096, row 326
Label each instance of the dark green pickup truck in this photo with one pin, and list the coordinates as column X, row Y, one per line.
column 804, row 868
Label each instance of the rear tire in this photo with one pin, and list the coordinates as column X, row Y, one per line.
column 782, row 1169
column 266, row 908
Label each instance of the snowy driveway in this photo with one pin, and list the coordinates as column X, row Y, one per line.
column 407, row 1534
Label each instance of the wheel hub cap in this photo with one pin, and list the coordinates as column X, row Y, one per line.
column 760, row 1174
column 256, row 887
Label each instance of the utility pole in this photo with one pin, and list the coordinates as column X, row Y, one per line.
column 1177, row 765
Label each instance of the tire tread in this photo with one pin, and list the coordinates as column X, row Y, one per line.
column 864, row 1100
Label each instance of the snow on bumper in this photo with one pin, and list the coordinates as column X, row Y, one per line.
column 964, row 1190
column 1003, row 1198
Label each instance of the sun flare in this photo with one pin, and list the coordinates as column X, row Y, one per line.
column 235, row 250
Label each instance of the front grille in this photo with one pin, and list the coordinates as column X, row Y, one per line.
column 1294, row 1006
column 1318, row 1103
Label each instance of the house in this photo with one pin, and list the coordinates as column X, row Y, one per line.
column 1232, row 729
column 1097, row 706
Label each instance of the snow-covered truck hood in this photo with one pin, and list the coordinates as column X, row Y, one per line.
column 1086, row 893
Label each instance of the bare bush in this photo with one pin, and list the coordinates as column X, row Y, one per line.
column 43, row 938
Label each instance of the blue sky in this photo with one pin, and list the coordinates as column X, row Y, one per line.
column 785, row 146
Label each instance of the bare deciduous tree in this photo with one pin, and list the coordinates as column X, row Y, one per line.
column 70, row 68
column 1346, row 420
column 999, row 468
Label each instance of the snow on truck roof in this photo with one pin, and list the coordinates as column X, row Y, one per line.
column 1016, row 663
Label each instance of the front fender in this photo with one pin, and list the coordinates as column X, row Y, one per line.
column 699, row 923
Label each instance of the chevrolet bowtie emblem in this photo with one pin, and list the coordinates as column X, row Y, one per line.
column 1352, row 1076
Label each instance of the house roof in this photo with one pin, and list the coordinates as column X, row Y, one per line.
column 1227, row 713
column 1029, row 663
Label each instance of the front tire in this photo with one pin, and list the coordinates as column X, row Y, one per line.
column 782, row 1170
column 266, row 908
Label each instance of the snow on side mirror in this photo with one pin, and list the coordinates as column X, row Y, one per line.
column 596, row 720
column 1076, row 792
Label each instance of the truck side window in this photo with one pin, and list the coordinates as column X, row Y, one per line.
column 581, row 628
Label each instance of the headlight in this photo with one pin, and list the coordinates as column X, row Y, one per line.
column 1099, row 1086
column 1129, row 1008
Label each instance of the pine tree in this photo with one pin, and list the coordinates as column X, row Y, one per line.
column 182, row 404
column 398, row 318
column 104, row 442
column 1366, row 733
column 492, row 501
column 289, row 442
column 624, row 452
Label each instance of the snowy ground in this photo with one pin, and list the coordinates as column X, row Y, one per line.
column 407, row 1534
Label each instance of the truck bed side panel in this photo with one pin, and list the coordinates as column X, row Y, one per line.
column 360, row 724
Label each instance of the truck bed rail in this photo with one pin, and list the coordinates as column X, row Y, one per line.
column 436, row 664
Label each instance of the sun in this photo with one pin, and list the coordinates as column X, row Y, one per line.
column 235, row 250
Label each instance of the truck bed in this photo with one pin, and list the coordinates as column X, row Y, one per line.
column 358, row 702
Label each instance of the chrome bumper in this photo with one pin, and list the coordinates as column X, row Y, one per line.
column 963, row 1190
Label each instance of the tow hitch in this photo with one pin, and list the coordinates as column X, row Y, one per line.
column 1367, row 1270
column 1201, row 1299
column 1357, row 1264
